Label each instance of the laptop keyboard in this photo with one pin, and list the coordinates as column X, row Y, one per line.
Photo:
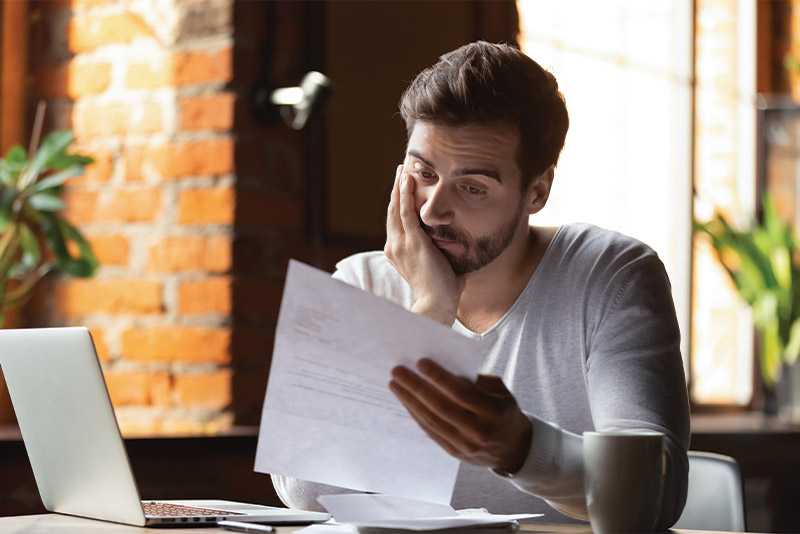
column 165, row 509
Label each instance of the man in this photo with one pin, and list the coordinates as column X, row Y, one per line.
column 578, row 321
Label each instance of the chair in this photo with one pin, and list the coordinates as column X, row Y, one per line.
column 716, row 497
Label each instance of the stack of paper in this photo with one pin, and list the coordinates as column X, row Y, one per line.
column 386, row 514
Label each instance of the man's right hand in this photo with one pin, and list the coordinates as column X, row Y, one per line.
column 437, row 289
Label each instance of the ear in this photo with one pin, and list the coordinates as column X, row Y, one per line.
column 539, row 190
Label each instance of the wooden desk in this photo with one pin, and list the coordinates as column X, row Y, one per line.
column 48, row 523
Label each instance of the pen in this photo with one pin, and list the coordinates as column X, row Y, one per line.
column 238, row 526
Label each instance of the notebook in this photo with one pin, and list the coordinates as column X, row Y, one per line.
column 73, row 441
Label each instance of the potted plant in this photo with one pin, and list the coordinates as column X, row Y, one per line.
column 30, row 202
column 764, row 264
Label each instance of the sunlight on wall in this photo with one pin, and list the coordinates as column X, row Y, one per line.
column 722, row 340
column 625, row 70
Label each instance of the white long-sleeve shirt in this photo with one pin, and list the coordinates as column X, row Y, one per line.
column 591, row 343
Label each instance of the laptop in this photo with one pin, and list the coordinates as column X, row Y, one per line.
column 74, row 444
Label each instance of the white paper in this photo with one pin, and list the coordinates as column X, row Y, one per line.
column 391, row 512
column 364, row 508
column 329, row 415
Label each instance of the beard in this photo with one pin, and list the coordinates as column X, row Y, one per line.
column 477, row 253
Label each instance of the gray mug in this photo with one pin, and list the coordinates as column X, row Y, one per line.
column 623, row 480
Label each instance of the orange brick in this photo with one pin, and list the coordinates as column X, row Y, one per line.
column 207, row 390
column 100, row 346
column 209, row 295
column 80, row 205
column 72, row 80
column 115, row 119
column 136, row 426
column 78, row 297
column 190, row 253
column 219, row 253
column 139, row 388
column 124, row 205
column 110, row 249
column 199, row 158
column 182, row 68
column 86, row 33
column 215, row 205
column 212, row 112
column 174, row 425
column 177, row 343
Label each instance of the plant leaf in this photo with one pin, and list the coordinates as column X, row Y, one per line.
column 86, row 254
column 5, row 174
column 51, row 148
column 46, row 202
column 31, row 253
column 65, row 161
column 54, row 180
column 792, row 350
column 16, row 155
column 7, row 197
column 58, row 232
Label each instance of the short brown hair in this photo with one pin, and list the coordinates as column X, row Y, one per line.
column 489, row 83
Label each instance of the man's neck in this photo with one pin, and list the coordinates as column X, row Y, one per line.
column 492, row 290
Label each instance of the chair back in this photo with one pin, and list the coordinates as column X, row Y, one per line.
column 716, row 496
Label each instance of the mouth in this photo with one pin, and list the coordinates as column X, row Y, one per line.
column 444, row 243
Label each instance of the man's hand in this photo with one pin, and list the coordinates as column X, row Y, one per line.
column 478, row 423
column 437, row 289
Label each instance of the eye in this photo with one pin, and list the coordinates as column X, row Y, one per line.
column 425, row 175
column 472, row 190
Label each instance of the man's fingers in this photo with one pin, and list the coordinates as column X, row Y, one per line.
column 393, row 222
column 492, row 383
column 472, row 397
column 408, row 211
column 440, row 431
column 457, row 422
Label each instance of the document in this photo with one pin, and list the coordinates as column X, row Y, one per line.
column 329, row 415
column 388, row 514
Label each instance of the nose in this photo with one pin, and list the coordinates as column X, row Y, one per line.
column 436, row 207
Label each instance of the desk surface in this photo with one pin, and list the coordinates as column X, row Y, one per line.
column 47, row 523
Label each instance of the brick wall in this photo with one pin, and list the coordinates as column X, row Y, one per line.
column 192, row 208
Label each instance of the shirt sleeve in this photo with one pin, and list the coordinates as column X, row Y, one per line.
column 635, row 380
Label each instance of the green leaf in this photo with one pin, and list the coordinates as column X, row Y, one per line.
column 65, row 161
column 792, row 350
column 86, row 254
column 5, row 174
column 16, row 155
column 31, row 253
column 58, row 232
column 46, row 202
column 51, row 149
column 54, row 180
column 7, row 197
column 770, row 353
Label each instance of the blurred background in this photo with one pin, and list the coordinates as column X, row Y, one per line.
column 202, row 189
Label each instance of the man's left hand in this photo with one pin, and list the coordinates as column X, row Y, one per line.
column 479, row 423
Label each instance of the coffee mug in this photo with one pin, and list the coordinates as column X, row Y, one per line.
column 623, row 480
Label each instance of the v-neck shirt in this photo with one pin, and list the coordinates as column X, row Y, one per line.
column 591, row 343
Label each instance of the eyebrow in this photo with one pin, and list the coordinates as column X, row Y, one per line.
column 494, row 175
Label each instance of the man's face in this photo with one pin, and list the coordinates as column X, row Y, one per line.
column 467, row 189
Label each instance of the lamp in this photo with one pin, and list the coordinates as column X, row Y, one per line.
column 294, row 104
